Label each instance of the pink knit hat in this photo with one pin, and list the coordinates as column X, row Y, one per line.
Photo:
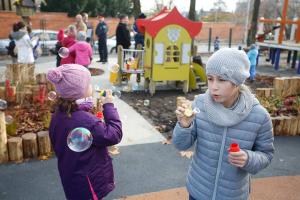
column 71, row 81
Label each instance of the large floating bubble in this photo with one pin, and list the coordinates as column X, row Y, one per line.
column 79, row 139
column 52, row 95
column 63, row 52
column 3, row 104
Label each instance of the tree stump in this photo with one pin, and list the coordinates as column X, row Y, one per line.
column 298, row 127
column 41, row 78
column 278, row 86
column 30, row 147
column 3, row 139
column 294, row 125
column 44, row 143
column 15, row 149
column 2, row 92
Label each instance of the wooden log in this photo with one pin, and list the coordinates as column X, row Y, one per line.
column 2, row 92
column 44, row 143
column 279, row 125
column 278, row 86
column 15, row 149
column 31, row 77
column 3, row 139
column 260, row 92
column 25, row 96
column 275, row 124
column 41, row 78
column 269, row 92
column 286, row 125
column 298, row 127
column 294, row 125
column 30, row 147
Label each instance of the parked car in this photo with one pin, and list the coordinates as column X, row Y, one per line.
column 111, row 44
column 3, row 44
column 47, row 40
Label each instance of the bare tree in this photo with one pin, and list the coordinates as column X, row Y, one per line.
column 253, row 28
column 192, row 11
column 219, row 6
column 136, row 7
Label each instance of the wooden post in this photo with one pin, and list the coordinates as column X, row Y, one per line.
column 286, row 125
column 298, row 127
column 3, row 139
column 15, row 149
column 2, row 92
column 294, row 125
column 44, row 143
column 30, row 147
column 41, row 78
column 278, row 86
column 31, row 77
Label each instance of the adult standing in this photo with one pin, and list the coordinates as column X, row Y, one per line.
column 80, row 25
column 23, row 44
column 90, row 28
column 101, row 32
column 123, row 33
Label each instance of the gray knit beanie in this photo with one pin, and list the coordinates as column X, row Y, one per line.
column 230, row 64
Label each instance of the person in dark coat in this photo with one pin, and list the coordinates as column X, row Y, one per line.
column 123, row 33
column 101, row 32
column 85, row 174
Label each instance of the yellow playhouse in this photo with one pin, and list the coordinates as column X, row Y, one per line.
column 168, row 47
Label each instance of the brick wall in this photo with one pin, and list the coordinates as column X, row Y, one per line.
column 55, row 21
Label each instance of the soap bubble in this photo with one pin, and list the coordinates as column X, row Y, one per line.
column 79, row 139
column 63, row 52
column 3, row 104
column 114, row 68
column 9, row 119
column 52, row 95
column 115, row 92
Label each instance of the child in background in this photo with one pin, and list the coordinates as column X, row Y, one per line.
column 58, row 45
column 68, row 42
column 252, row 55
column 229, row 113
column 87, row 174
column 82, row 50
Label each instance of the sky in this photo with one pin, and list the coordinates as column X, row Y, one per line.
column 184, row 5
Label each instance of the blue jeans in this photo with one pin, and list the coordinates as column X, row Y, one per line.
column 252, row 72
column 191, row 198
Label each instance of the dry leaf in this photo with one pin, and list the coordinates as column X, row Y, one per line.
column 187, row 154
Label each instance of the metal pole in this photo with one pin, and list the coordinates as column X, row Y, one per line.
column 209, row 39
column 247, row 22
column 230, row 37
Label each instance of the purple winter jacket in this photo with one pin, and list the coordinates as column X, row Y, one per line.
column 95, row 164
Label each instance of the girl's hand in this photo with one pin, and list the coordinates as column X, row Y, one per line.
column 238, row 159
column 184, row 121
column 108, row 97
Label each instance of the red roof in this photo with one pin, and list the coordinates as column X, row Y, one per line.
column 154, row 24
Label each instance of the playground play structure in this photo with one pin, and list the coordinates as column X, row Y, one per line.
column 167, row 55
column 278, row 44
